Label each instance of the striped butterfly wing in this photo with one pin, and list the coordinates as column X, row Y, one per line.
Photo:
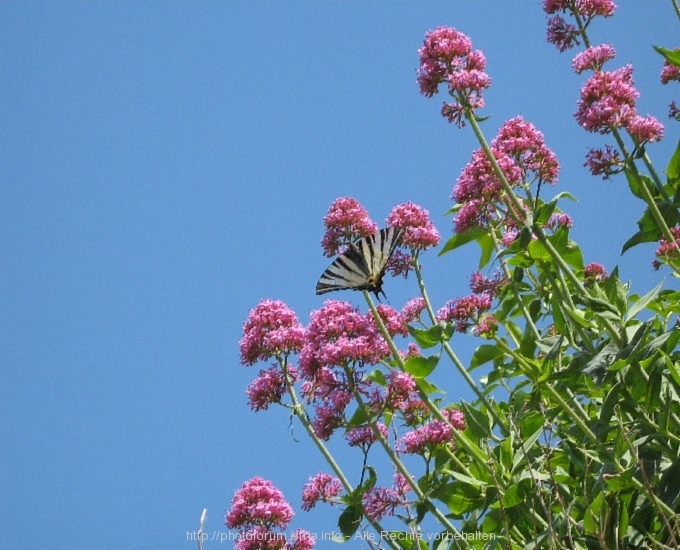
column 363, row 264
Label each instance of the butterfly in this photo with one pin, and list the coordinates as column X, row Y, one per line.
column 362, row 266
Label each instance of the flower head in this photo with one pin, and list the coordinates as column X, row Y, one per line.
column 339, row 334
column 258, row 503
column 669, row 250
column 593, row 58
column 645, row 129
column 268, row 387
column 669, row 72
column 321, row 487
column 271, row 330
column 412, row 309
column 379, row 502
column 346, row 221
column 607, row 100
column 594, row 272
column 364, row 436
column 564, row 35
column 447, row 57
column 604, row 162
column 420, row 231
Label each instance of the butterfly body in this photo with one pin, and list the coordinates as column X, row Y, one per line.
column 362, row 266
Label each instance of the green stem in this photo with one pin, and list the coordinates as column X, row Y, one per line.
column 401, row 468
column 300, row 412
column 452, row 355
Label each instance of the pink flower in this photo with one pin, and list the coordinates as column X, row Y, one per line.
column 593, row 58
column 645, row 129
column 260, row 538
column 595, row 272
column 447, row 57
column 412, row 309
column 583, row 8
column 345, row 222
column 330, row 415
column 522, row 155
column 339, row 334
column 607, row 100
column 379, row 502
column 401, row 390
column 301, row 540
column 456, row 418
column 525, row 144
column 591, row 8
column 464, row 311
column 479, row 284
column 426, row 438
column 442, row 48
column 393, row 320
column 564, row 35
column 258, row 504
column 433, row 434
column 605, row 162
column 420, row 231
column 321, row 487
column 271, row 330
column 559, row 220
column 670, row 250
column 486, row 327
column 669, row 72
column 364, row 436
column 268, row 388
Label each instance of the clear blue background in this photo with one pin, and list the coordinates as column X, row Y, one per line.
column 166, row 165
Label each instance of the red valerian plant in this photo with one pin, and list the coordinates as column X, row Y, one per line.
column 571, row 440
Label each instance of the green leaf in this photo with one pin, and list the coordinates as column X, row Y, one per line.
column 673, row 168
column 643, row 302
column 538, row 252
column 435, row 335
column 487, row 247
column 466, row 479
column 478, row 422
column 484, row 354
column 350, row 520
column 673, row 57
column 421, row 367
column 460, row 498
column 636, row 181
column 459, row 239
column 514, row 495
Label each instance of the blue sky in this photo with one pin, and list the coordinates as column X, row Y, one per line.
column 167, row 165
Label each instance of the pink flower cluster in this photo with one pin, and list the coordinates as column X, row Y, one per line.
column 447, row 57
column 346, row 221
column 339, row 334
column 608, row 102
column 379, row 502
column 420, row 231
column 521, row 153
column 470, row 310
column 268, row 387
column 566, row 35
column 669, row 72
column 258, row 511
column 434, row 434
column 594, row 272
column 321, row 487
column 604, row 162
column 272, row 330
column 669, row 250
